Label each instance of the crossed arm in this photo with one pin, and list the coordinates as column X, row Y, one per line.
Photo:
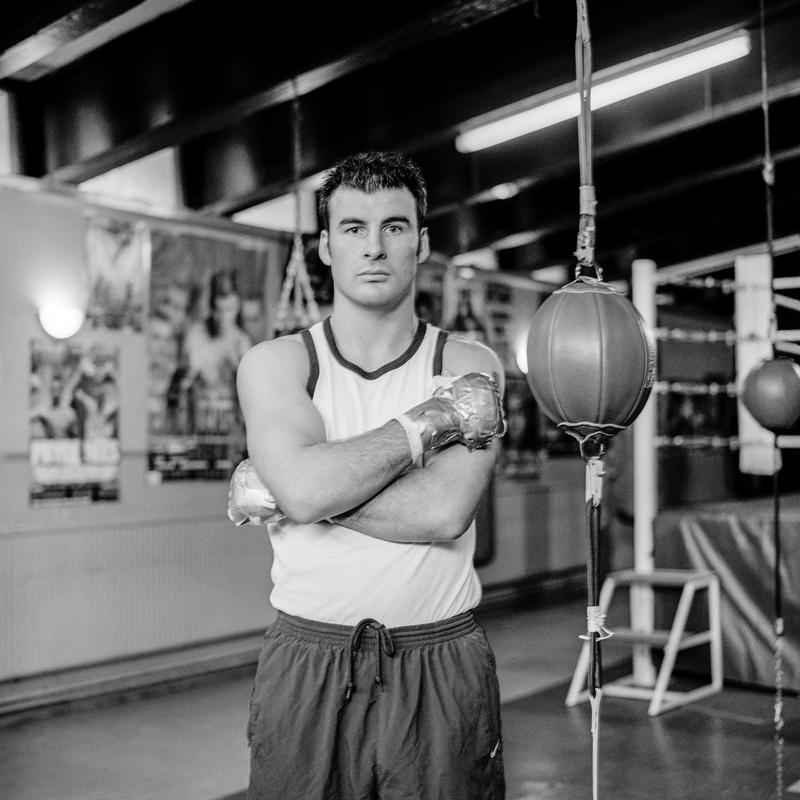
column 361, row 482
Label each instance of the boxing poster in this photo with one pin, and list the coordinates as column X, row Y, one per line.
column 520, row 454
column 207, row 307
column 428, row 301
column 74, row 423
column 116, row 259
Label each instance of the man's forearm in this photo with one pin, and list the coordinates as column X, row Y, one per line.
column 436, row 503
column 328, row 478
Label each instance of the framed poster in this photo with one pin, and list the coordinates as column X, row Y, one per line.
column 207, row 308
column 116, row 260
column 73, row 422
column 521, row 445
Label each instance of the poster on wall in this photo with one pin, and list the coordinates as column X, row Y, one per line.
column 74, row 423
column 498, row 304
column 520, row 451
column 116, row 260
column 206, row 309
column 428, row 302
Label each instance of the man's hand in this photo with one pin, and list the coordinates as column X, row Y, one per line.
column 249, row 501
column 466, row 409
column 476, row 399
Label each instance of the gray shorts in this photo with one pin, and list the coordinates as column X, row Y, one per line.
column 372, row 713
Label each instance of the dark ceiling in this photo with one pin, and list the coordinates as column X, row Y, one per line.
column 99, row 83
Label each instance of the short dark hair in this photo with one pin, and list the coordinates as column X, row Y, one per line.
column 371, row 172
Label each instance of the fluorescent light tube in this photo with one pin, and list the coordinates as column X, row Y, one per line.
column 609, row 86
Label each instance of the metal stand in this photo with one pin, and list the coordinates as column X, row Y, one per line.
column 672, row 641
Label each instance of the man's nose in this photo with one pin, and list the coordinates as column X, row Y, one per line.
column 374, row 248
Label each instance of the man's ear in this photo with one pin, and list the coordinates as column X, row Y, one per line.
column 324, row 249
column 424, row 246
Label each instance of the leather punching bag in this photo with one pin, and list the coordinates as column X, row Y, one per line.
column 591, row 359
column 771, row 393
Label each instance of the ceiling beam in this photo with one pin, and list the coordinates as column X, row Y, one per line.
column 255, row 70
column 82, row 30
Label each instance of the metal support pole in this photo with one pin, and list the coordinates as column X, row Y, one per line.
column 645, row 485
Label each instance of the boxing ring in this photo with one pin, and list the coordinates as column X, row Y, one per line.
column 734, row 539
column 731, row 539
column 722, row 569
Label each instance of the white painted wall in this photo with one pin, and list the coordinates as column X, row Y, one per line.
column 160, row 568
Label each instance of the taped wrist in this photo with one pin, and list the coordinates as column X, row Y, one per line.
column 249, row 500
column 413, row 435
column 435, row 421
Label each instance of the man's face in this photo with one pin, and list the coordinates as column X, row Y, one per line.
column 373, row 245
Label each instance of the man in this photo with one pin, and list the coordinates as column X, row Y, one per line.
column 375, row 680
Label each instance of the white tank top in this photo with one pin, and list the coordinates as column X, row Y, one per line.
column 329, row 573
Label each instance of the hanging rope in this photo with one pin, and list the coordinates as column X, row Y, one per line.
column 768, row 175
column 596, row 629
column 592, row 447
column 296, row 291
column 586, row 197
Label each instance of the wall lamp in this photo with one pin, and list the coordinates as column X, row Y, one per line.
column 59, row 321
column 608, row 86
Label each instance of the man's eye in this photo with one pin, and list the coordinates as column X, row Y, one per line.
column 394, row 229
column 353, row 229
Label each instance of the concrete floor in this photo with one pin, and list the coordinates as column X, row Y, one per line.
column 190, row 745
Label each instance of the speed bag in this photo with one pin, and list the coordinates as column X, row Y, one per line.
column 591, row 359
column 771, row 393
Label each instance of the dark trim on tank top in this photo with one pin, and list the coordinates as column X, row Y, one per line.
column 394, row 364
column 438, row 353
column 313, row 362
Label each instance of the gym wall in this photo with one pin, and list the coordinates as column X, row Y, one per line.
column 160, row 568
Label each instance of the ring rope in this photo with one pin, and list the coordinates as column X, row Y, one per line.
column 692, row 388
column 784, row 347
column 731, row 442
column 786, row 302
column 728, row 337
column 697, row 442
column 695, row 335
column 729, row 285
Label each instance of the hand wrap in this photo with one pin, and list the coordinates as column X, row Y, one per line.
column 464, row 409
column 249, row 501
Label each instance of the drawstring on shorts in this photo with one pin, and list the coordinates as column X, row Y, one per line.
column 388, row 641
column 384, row 643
